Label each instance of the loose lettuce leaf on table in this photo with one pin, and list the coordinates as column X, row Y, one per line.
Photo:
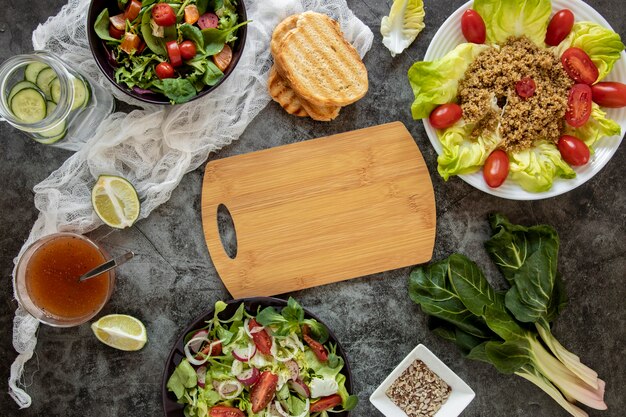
column 404, row 23
column 536, row 168
column 504, row 18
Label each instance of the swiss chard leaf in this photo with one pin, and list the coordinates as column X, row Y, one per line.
column 470, row 284
column 558, row 302
column 102, row 27
column 507, row 357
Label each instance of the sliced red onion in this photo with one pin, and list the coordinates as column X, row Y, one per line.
column 198, row 336
column 286, row 343
column 229, row 389
column 283, row 413
column 236, row 368
column 300, row 387
column 110, row 55
column 142, row 91
column 294, row 369
column 191, row 358
column 244, row 354
column 201, row 375
column 246, row 328
column 249, row 377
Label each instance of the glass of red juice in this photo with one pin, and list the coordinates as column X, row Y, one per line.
column 47, row 284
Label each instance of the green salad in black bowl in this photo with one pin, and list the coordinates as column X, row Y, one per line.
column 167, row 51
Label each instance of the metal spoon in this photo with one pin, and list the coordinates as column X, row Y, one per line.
column 107, row 266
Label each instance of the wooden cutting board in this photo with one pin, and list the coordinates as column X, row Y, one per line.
column 321, row 211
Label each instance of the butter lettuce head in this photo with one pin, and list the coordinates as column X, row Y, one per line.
column 601, row 44
column 536, row 168
column 598, row 126
column 404, row 23
column 461, row 155
column 504, row 18
column 436, row 82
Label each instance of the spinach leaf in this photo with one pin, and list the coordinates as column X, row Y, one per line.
column 178, row 90
column 156, row 44
column 122, row 4
column 213, row 74
column 102, row 27
column 215, row 39
column 194, row 34
column 146, row 3
column 202, row 6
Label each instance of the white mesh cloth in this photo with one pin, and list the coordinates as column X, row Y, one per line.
column 153, row 147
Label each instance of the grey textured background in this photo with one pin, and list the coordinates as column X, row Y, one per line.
column 172, row 280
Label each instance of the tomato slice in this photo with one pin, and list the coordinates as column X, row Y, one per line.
column 609, row 94
column 132, row 10
column 115, row 32
column 263, row 391
column 326, row 403
column 118, row 21
column 473, row 27
column 262, row 340
column 526, row 87
column 496, row 168
column 579, row 66
column 225, row 411
column 573, row 150
column 223, row 58
column 560, row 26
column 173, row 51
column 445, row 115
column 578, row 105
column 317, row 348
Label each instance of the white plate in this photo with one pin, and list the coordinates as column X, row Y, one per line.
column 460, row 395
column 450, row 35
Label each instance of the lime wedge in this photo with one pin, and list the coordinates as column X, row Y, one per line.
column 120, row 332
column 115, row 201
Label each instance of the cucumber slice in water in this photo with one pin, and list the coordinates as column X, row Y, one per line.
column 44, row 78
column 19, row 87
column 59, row 130
column 33, row 69
column 29, row 105
column 81, row 92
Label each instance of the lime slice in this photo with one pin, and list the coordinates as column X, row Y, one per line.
column 115, row 201
column 120, row 332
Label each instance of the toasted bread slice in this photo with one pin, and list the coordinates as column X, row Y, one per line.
column 319, row 64
column 281, row 30
column 284, row 95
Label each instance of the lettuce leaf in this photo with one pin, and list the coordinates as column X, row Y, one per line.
column 597, row 127
column 536, row 168
column 461, row 155
column 601, row 44
column 436, row 82
column 504, row 18
column 184, row 376
column 404, row 23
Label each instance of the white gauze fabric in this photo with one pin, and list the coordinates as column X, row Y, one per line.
column 155, row 146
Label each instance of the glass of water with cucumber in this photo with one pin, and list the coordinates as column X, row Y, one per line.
column 44, row 97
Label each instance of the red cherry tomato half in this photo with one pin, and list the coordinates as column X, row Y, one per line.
column 579, row 66
column 525, row 87
column 609, row 94
column 208, row 21
column 163, row 14
column 578, row 105
column 473, row 27
column 115, row 32
column 187, row 49
column 164, row 70
column 225, row 411
column 496, row 168
column 573, row 150
column 326, row 403
column 445, row 115
column 560, row 26
column 173, row 51
column 132, row 10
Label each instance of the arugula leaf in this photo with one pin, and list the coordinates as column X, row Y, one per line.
column 215, row 39
column 102, row 27
column 194, row 34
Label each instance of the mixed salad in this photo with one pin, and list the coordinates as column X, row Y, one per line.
column 272, row 364
column 170, row 47
column 583, row 51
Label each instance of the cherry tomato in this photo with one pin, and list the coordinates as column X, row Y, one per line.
column 496, row 168
column 525, row 87
column 445, row 115
column 573, row 150
column 115, row 32
column 132, row 10
column 119, row 21
column 191, row 14
column 208, row 21
column 579, row 66
column 222, row 60
column 578, row 105
column 473, row 27
column 164, row 70
column 173, row 51
column 187, row 49
column 609, row 94
column 317, row 348
column 163, row 15
column 262, row 340
column 560, row 26
column 225, row 411
column 216, row 350
column 263, row 391
column 326, row 403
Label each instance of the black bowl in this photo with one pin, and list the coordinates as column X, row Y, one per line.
column 98, row 49
column 173, row 409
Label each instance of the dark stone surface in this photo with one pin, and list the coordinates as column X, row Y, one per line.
column 173, row 280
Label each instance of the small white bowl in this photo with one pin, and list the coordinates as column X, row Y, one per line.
column 460, row 395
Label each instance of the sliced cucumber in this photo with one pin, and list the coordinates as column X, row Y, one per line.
column 49, row 141
column 44, row 78
column 29, row 105
column 33, row 69
column 81, row 93
column 19, row 87
column 55, row 90
column 58, row 130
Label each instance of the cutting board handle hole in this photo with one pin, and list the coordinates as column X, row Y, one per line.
column 226, row 228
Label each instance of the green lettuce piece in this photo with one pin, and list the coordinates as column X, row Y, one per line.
column 404, row 23
column 536, row 168
column 601, row 44
column 436, row 82
column 184, row 376
column 461, row 155
column 597, row 127
column 504, row 18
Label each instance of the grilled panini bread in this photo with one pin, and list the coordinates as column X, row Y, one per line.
column 280, row 31
column 284, row 95
column 318, row 63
